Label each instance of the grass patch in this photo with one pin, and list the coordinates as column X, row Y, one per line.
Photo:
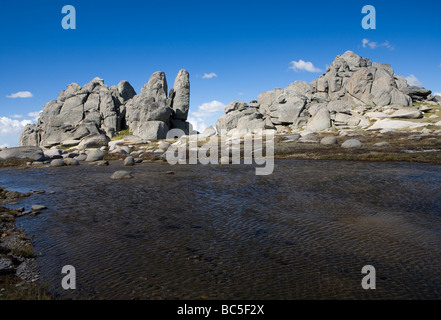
column 63, row 147
column 13, row 162
column 25, row 252
column 121, row 135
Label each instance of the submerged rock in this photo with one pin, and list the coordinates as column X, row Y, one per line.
column 121, row 175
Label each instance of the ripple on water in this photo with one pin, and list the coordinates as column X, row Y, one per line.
column 304, row 232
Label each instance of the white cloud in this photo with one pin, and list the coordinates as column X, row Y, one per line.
column 209, row 75
column 35, row 115
column 206, row 113
column 10, row 126
column 436, row 94
column 365, row 42
column 4, row 146
column 207, row 109
column 303, row 66
column 198, row 124
column 388, row 45
column 213, row 106
column 374, row 45
column 21, row 94
column 413, row 81
column 17, row 116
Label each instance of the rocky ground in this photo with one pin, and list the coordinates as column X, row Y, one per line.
column 414, row 145
column 18, row 270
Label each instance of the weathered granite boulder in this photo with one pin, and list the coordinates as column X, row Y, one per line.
column 95, row 155
column 352, row 144
column 32, row 153
column 94, row 141
column 417, row 93
column 180, row 96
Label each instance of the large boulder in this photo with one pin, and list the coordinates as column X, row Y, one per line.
column 247, row 121
column 151, row 130
column 95, row 141
column 181, row 98
column 321, row 121
column 289, row 110
column 389, row 124
column 407, row 113
column 30, row 136
column 95, row 155
column 417, row 93
column 32, row 153
column 53, row 154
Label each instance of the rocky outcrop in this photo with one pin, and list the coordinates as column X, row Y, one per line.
column 96, row 113
column 339, row 98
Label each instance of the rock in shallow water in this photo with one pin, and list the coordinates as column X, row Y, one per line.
column 37, row 207
column 121, row 175
column 57, row 163
column 71, row 162
column 101, row 163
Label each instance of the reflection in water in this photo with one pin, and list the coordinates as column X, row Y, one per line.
column 304, row 232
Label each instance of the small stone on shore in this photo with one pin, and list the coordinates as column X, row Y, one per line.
column 327, row 141
column 129, row 161
column 352, row 144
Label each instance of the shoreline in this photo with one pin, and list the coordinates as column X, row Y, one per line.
column 375, row 147
column 394, row 147
column 19, row 275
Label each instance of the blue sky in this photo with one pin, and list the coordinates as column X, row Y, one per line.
column 247, row 45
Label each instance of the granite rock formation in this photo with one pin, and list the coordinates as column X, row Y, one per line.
column 96, row 112
column 351, row 86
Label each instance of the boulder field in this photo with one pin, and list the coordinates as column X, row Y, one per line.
column 96, row 123
column 353, row 93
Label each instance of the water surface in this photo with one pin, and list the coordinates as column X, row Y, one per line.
column 221, row 232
